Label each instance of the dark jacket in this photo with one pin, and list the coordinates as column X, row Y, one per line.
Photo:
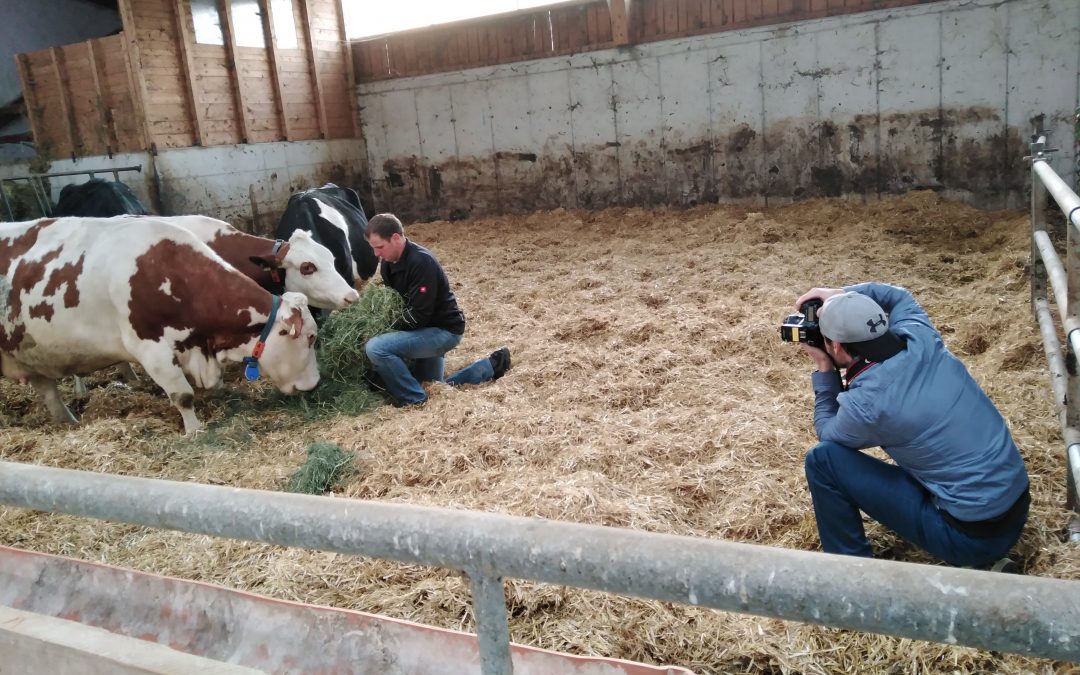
column 419, row 278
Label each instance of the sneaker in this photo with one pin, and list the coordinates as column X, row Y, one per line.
column 1006, row 566
column 500, row 362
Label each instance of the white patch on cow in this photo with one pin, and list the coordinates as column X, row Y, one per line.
column 334, row 217
column 166, row 288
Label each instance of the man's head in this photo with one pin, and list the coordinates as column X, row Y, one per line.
column 859, row 326
column 387, row 236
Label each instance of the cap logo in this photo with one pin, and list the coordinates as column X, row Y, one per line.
column 873, row 325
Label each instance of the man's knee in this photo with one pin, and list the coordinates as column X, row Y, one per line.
column 820, row 459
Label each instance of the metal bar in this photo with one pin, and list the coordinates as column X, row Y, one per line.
column 1028, row 615
column 137, row 167
column 7, row 204
column 1056, row 271
column 1052, row 346
column 42, row 196
column 492, row 629
column 1073, row 498
column 1059, row 190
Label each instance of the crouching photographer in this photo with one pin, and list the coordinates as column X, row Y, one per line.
column 958, row 488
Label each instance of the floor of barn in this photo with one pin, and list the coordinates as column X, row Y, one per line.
column 649, row 390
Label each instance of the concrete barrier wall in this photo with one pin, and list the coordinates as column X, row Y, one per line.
column 940, row 96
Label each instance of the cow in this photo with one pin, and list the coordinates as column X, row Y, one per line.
column 98, row 198
column 335, row 218
column 300, row 264
column 84, row 294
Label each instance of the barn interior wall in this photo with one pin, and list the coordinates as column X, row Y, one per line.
column 941, row 96
column 246, row 185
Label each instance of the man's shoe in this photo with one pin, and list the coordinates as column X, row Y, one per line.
column 500, row 362
column 1006, row 565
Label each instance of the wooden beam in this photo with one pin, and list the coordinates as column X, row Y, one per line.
column 350, row 77
column 187, row 68
column 33, row 113
column 65, row 101
column 136, row 80
column 620, row 21
column 225, row 9
column 106, row 126
column 275, row 70
column 313, row 64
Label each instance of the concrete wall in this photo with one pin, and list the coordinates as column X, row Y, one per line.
column 247, row 185
column 940, row 96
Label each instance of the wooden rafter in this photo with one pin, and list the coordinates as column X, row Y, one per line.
column 33, row 112
column 136, row 80
column 225, row 9
column 350, row 78
column 106, row 125
column 275, row 68
column 187, row 66
column 620, row 21
column 65, row 100
column 313, row 64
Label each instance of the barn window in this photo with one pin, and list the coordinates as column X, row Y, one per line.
column 363, row 19
column 284, row 24
column 247, row 24
column 207, row 22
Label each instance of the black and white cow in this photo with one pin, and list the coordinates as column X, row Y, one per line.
column 98, row 198
column 334, row 217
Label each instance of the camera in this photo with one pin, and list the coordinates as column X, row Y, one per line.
column 803, row 326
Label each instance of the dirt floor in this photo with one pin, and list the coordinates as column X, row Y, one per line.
column 649, row 390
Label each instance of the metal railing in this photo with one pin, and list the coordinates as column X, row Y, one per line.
column 41, row 193
column 1028, row 615
column 1064, row 280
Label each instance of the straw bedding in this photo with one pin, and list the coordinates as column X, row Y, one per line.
column 649, row 390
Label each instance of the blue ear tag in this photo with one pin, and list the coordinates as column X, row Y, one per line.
column 251, row 369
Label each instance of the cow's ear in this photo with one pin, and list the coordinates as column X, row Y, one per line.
column 295, row 322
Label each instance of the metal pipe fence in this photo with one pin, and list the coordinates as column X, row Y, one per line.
column 1029, row 615
column 1064, row 279
column 41, row 193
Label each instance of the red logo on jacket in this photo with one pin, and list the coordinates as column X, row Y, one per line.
column 423, row 289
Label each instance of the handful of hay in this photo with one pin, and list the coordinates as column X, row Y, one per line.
column 326, row 463
column 343, row 364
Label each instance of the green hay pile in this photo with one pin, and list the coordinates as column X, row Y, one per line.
column 344, row 366
column 326, row 463
column 22, row 201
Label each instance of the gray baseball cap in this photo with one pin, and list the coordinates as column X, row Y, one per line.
column 856, row 320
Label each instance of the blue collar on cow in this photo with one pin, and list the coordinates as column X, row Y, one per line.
column 251, row 363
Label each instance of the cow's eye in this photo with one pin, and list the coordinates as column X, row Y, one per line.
column 308, row 268
column 310, row 340
column 283, row 332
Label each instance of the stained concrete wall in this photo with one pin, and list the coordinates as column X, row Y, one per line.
column 247, row 185
column 940, row 96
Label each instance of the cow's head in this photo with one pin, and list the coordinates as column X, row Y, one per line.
column 289, row 357
column 309, row 269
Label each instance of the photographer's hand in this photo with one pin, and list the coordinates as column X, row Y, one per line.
column 821, row 358
column 819, row 293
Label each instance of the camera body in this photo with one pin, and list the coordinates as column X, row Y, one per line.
column 803, row 326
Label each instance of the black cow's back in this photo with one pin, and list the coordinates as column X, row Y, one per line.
column 98, row 198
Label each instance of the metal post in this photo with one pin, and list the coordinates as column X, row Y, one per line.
column 7, row 204
column 492, row 629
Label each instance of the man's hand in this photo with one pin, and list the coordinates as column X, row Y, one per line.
column 824, row 363
column 819, row 293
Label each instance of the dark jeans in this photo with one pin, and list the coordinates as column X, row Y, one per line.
column 427, row 348
column 844, row 482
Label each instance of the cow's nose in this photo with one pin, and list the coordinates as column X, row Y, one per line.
column 351, row 298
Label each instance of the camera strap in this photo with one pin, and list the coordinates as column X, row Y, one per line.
column 857, row 367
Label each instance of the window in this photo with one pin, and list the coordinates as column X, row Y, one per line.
column 364, row 18
column 207, row 22
column 285, row 23
column 247, row 23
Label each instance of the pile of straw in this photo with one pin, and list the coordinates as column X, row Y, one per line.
column 650, row 390
column 326, row 464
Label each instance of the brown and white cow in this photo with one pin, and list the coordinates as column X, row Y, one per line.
column 300, row 265
column 83, row 294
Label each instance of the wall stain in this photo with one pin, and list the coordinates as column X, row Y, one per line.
column 963, row 149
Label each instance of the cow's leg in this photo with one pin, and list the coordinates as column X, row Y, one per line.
column 80, row 387
column 46, row 386
column 163, row 370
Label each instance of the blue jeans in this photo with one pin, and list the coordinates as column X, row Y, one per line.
column 427, row 348
column 844, row 482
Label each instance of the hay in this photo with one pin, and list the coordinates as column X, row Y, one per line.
column 343, row 364
column 650, row 390
column 326, row 464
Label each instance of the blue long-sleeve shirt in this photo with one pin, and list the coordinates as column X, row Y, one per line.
column 927, row 412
